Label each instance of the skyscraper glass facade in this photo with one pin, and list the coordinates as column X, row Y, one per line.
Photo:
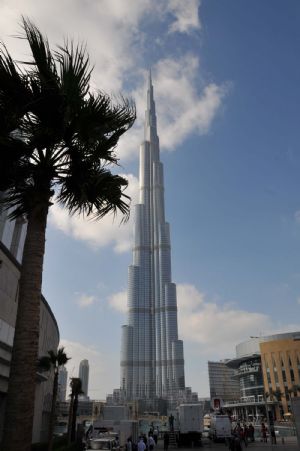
column 152, row 364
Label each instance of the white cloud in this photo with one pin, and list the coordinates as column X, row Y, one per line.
column 118, row 301
column 107, row 231
column 217, row 327
column 182, row 108
column 111, row 29
column 186, row 15
column 102, row 367
column 119, row 58
column 85, row 300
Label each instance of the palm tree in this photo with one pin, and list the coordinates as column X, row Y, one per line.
column 278, row 394
column 53, row 361
column 56, row 137
column 294, row 389
column 76, row 390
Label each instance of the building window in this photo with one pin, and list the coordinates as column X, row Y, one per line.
column 268, row 371
column 275, row 375
column 283, row 371
column 292, row 375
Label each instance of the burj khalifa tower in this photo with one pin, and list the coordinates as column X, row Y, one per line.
column 152, row 364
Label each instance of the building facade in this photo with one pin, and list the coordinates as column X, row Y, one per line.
column 222, row 383
column 12, row 236
column 84, row 376
column 280, row 358
column 268, row 371
column 152, row 362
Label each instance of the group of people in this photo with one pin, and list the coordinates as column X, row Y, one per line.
column 145, row 443
column 241, row 434
column 264, row 433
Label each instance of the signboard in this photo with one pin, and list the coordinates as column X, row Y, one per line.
column 216, row 403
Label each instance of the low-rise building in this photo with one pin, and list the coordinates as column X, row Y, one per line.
column 12, row 235
column 268, row 371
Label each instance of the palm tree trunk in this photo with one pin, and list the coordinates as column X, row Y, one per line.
column 17, row 435
column 74, row 418
column 70, row 419
column 53, row 407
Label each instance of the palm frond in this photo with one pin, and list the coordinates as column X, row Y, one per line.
column 94, row 192
column 15, row 95
column 75, row 72
column 43, row 62
column 44, row 363
column 100, row 118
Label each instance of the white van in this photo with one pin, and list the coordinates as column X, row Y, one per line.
column 220, row 427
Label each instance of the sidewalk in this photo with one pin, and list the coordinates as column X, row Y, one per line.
column 290, row 444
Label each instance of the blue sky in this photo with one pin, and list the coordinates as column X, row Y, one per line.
column 226, row 79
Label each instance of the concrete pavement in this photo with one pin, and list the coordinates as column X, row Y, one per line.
column 290, row 444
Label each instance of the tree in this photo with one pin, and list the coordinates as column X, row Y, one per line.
column 294, row 390
column 76, row 390
column 278, row 394
column 53, row 361
column 56, row 138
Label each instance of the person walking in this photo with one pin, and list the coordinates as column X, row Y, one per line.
column 129, row 444
column 251, row 432
column 166, row 441
column 141, row 444
column 273, row 435
column 150, row 443
column 263, row 433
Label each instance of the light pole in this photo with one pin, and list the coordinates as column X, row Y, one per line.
column 268, row 420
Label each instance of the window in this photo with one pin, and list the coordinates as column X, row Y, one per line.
column 292, row 375
column 275, row 371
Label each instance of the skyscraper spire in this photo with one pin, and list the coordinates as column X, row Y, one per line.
column 152, row 364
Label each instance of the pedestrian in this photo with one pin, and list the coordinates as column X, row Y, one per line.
column 166, row 441
column 171, row 422
column 129, row 444
column 245, row 434
column 263, row 433
column 151, row 443
column 251, row 432
column 273, row 435
column 141, row 444
column 155, row 434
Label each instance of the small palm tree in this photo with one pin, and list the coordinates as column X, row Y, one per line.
column 76, row 390
column 53, row 361
column 294, row 389
column 278, row 394
column 56, row 137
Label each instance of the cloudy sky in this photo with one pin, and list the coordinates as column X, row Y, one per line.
column 226, row 76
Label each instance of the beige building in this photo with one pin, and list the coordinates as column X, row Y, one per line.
column 11, row 239
column 281, row 370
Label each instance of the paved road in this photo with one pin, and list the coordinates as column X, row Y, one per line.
column 290, row 444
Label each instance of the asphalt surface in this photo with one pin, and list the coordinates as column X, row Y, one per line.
column 290, row 444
